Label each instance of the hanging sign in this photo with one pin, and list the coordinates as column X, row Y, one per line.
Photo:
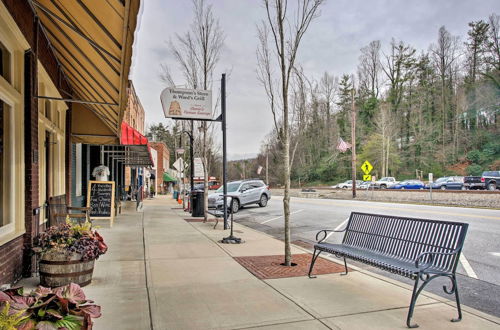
column 101, row 199
column 198, row 168
column 180, row 103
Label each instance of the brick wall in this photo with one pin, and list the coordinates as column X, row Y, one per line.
column 163, row 160
column 11, row 261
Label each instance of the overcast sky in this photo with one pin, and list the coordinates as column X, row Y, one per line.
column 331, row 44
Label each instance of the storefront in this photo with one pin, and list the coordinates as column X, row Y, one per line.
column 54, row 77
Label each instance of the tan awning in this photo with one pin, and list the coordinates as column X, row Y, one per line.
column 92, row 41
column 86, row 127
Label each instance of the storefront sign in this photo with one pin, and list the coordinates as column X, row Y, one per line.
column 186, row 103
column 101, row 199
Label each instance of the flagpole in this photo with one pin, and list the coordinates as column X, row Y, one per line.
column 353, row 142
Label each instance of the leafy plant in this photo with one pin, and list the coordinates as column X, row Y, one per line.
column 71, row 239
column 61, row 308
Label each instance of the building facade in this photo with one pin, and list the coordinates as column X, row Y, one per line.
column 163, row 156
column 45, row 67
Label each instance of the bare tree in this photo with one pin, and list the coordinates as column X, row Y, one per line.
column 283, row 32
column 369, row 68
column 197, row 53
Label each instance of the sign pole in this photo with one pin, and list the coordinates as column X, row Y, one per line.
column 191, row 155
column 224, row 146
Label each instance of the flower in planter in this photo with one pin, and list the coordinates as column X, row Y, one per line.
column 48, row 309
column 71, row 239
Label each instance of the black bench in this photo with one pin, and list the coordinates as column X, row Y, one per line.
column 419, row 249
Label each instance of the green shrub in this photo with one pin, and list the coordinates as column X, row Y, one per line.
column 474, row 169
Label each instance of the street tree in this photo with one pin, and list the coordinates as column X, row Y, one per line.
column 280, row 35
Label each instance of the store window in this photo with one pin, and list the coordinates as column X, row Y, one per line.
column 4, row 163
column 48, row 110
column 4, row 63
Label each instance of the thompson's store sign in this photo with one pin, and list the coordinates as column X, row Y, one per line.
column 186, row 103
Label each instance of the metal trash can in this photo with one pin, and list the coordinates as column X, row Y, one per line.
column 176, row 194
column 197, row 203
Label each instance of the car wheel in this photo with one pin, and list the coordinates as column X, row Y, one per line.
column 235, row 206
column 492, row 186
column 383, row 186
column 263, row 201
column 464, row 188
column 443, row 187
column 402, row 188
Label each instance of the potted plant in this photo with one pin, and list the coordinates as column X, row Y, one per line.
column 67, row 253
column 48, row 309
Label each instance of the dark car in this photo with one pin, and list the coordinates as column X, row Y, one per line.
column 447, row 182
column 472, row 182
column 491, row 180
column 409, row 184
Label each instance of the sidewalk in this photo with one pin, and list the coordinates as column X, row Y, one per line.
column 162, row 272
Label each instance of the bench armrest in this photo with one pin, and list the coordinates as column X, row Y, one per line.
column 431, row 258
column 325, row 231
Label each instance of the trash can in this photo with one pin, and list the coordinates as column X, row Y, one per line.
column 176, row 194
column 197, row 203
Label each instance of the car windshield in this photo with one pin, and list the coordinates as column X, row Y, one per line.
column 231, row 187
column 441, row 179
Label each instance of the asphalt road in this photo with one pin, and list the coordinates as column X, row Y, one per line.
column 479, row 269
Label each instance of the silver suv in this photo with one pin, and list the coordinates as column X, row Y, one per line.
column 244, row 192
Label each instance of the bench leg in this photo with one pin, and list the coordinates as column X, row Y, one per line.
column 345, row 265
column 313, row 260
column 455, row 289
column 414, row 297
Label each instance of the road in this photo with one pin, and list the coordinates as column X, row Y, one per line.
column 478, row 271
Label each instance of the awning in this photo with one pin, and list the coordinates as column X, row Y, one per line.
column 168, row 178
column 92, row 41
column 136, row 147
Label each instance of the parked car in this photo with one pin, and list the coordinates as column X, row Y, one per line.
column 244, row 192
column 447, row 182
column 347, row 184
column 365, row 185
column 491, row 180
column 385, row 182
column 409, row 184
column 472, row 182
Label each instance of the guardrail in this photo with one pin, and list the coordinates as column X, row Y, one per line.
column 411, row 190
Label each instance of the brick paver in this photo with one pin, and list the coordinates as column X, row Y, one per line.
column 269, row 267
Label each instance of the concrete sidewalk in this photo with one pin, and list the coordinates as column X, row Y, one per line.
column 162, row 272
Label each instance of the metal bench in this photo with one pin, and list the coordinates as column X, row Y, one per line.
column 419, row 249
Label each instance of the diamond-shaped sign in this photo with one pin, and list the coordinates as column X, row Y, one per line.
column 367, row 167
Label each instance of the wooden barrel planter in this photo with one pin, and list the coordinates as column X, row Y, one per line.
column 58, row 269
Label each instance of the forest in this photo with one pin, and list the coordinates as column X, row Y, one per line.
column 418, row 111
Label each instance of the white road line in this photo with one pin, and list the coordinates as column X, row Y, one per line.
column 467, row 267
column 337, row 228
column 280, row 216
column 495, row 254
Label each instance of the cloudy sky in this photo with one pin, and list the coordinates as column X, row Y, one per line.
column 331, row 44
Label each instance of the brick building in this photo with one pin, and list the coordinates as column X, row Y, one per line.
column 163, row 156
column 57, row 89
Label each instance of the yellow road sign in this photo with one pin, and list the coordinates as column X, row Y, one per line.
column 367, row 167
column 367, row 177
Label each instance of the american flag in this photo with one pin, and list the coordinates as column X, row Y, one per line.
column 343, row 146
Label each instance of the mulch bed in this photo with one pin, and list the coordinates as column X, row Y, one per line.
column 269, row 267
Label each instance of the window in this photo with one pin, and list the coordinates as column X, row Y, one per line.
column 78, row 171
column 48, row 110
column 4, row 163
column 4, row 63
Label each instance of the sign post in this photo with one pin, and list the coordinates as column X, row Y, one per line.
column 431, row 179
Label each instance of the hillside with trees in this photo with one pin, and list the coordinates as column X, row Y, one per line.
column 432, row 110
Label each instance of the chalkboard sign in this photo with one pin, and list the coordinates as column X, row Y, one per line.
column 101, row 199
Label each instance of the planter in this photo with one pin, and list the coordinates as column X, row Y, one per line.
column 58, row 269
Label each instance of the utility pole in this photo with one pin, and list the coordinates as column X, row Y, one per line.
column 267, row 165
column 353, row 142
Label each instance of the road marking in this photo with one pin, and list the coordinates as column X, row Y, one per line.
column 467, row 267
column 310, row 201
column 336, row 228
column 495, row 254
column 280, row 216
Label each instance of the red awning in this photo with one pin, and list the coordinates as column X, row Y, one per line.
column 136, row 150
